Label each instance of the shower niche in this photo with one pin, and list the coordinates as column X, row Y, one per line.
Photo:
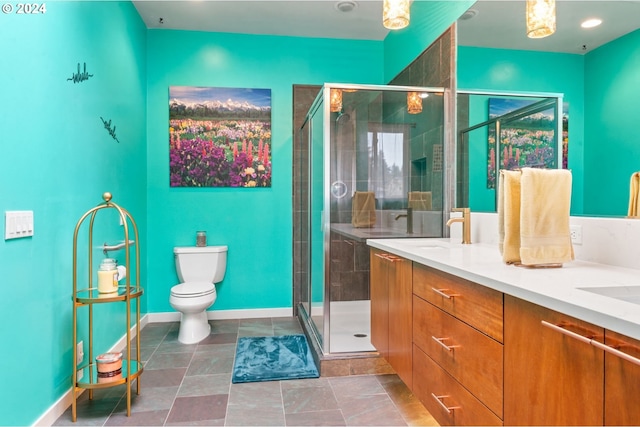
column 373, row 169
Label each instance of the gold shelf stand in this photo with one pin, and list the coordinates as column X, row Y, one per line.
column 131, row 369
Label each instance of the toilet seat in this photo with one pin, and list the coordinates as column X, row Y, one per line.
column 193, row 289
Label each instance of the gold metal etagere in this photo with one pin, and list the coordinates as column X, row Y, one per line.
column 85, row 376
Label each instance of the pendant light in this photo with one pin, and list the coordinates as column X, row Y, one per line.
column 395, row 14
column 541, row 18
column 414, row 103
column 335, row 100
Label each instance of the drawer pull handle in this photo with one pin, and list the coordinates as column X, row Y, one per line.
column 566, row 332
column 389, row 257
column 446, row 347
column 443, row 294
column 616, row 352
column 438, row 399
column 593, row 342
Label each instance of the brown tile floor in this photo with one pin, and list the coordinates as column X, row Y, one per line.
column 191, row 385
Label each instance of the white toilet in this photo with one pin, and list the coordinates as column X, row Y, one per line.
column 199, row 269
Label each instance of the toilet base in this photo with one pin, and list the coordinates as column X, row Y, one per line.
column 194, row 327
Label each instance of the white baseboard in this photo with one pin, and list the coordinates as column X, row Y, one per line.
column 258, row 313
column 57, row 409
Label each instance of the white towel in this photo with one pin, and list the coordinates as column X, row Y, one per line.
column 420, row 200
column 634, row 195
column 363, row 209
column 509, row 215
column 545, row 203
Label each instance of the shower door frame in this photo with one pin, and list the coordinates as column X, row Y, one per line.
column 324, row 340
column 555, row 100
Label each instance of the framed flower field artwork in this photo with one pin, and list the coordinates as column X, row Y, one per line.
column 219, row 137
column 526, row 141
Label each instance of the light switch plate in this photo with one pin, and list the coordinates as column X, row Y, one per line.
column 18, row 224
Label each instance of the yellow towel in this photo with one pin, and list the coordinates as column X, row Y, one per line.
column 634, row 195
column 545, row 204
column 509, row 215
column 363, row 209
column 420, row 200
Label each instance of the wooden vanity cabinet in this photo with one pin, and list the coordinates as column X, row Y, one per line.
column 458, row 354
column 622, row 382
column 550, row 377
column 391, row 308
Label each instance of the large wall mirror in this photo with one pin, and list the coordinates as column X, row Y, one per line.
column 597, row 72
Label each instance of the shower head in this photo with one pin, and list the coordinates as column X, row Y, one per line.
column 342, row 117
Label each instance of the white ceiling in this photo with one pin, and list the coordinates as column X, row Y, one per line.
column 497, row 24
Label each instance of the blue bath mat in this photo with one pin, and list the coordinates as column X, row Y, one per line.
column 285, row 357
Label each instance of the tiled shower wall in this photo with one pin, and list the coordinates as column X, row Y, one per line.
column 433, row 68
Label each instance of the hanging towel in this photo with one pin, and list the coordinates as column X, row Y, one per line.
column 509, row 215
column 363, row 209
column 420, row 200
column 545, row 203
column 634, row 195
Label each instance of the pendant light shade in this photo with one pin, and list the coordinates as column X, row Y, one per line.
column 414, row 103
column 395, row 14
column 541, row 18
column 335, row 100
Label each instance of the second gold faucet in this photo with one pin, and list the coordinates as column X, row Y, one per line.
column 465, row 219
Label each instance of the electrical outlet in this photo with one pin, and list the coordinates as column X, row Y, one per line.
column 79, row 352
column 576, row 234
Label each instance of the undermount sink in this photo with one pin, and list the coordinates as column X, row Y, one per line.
column 630, row 293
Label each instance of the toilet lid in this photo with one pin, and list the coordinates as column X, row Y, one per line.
column 193, row 289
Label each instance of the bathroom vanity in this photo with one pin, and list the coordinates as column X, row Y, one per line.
column 495, row 344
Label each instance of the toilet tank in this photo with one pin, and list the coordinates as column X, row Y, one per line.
column 200, row 263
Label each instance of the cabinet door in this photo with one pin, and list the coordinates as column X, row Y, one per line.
column 550, row 378
column 379, row 302
column 622, row 382
column 400, row 317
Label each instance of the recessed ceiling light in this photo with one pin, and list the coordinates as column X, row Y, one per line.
column 346, row 5
column 590, row 23
column 469, row 14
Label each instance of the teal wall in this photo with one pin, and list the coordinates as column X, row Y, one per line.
column 528, row 71
column 57, row 159
column 612, row 108
column 429, row 19
column 256, row 223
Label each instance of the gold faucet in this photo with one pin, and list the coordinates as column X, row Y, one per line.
column 466, row 223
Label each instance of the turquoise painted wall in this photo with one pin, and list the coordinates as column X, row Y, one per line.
column 256, row 224
column 57, row 160
column 51, row 128
column 612, row 108
column 514, row 70
column 429, row 19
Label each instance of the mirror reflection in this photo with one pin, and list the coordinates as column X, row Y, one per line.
column 597, row 71
column 497, row 131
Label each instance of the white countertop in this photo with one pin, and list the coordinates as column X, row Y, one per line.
column 554, row 288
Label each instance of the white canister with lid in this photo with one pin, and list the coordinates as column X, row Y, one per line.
column 108, row 276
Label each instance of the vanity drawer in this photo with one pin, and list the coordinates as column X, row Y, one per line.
column 470, row 302
column 471, row 357
column 444, row 397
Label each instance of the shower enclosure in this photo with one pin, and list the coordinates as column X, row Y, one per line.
column 375, row 169
column 498, row 130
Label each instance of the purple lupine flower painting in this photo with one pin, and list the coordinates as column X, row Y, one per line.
column 219, row 137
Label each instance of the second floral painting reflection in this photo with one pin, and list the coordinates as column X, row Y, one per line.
column 219, row 137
